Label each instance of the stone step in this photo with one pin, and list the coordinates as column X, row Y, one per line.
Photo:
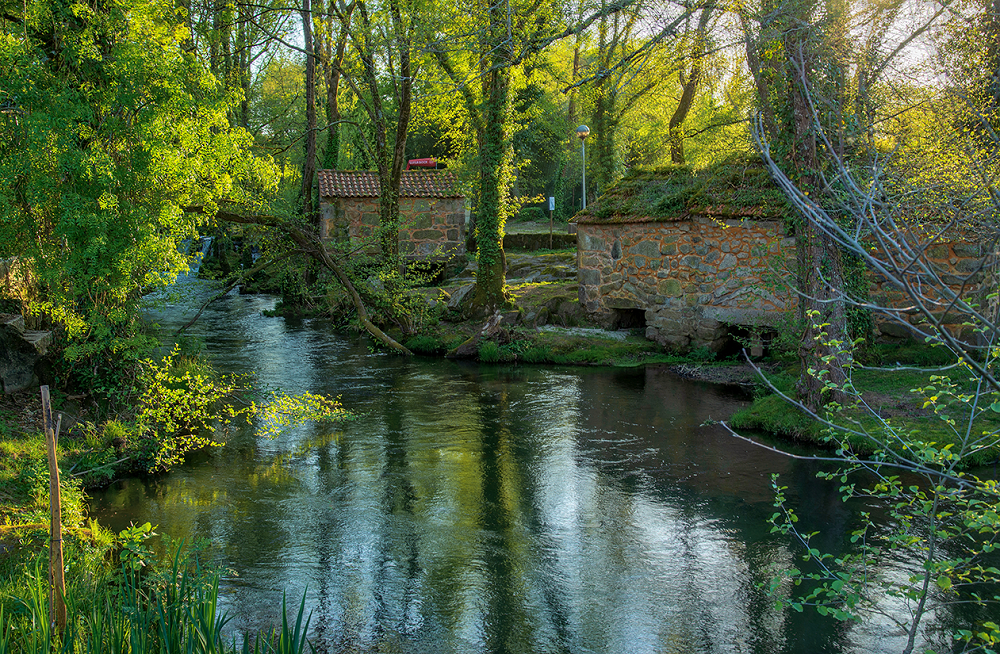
column 40, row 340
column 12, row 320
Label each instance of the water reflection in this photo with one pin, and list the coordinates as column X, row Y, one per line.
column 487, row 509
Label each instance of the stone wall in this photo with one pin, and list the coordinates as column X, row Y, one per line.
column 691, row 277
column 963, row 265
column 431, row 228
column 694, row 278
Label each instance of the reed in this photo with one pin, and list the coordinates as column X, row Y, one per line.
column 135, row 616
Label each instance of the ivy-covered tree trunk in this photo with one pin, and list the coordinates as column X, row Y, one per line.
column 821, row 281
column 802, row 69
column 494, row 187
column 333, row 61
column 308, row 191
column 603, row 162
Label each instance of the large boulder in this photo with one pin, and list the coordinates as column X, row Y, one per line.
column 20, row 352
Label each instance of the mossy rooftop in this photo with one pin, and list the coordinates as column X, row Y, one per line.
column 734, row 189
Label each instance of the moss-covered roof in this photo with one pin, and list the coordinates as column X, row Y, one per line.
column 738, row 189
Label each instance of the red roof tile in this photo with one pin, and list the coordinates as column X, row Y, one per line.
column 364, row 184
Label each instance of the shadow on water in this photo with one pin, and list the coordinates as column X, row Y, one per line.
column 491, row 509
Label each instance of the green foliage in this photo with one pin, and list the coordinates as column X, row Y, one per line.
column 489, row 352
column 426, row 344
column 702, row 353
column 731, row 188
column 493, row 352
column 537, row 354
column 942, row 521
column 175, row 609
column 133, row 553
column 114, row 129
column 285, row 410
column 33, row 481
column 181, row 401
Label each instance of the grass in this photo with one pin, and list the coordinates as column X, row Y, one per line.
column 739, row 187
column 133, row 612
column 895, row 417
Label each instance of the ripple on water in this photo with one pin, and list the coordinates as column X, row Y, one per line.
column 488, row 509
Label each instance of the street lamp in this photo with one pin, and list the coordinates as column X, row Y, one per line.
column 583, row 132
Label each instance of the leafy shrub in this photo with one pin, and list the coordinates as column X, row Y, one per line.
column 425, row 344
column 181, row 399
column 489, row 352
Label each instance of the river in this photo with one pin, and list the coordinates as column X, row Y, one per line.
column 475, row 508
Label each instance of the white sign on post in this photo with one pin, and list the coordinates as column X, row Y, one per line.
column 552, row 203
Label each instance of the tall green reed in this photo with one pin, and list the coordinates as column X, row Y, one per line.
column 178, row 614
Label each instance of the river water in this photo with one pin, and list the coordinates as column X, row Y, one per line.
column 484, row 508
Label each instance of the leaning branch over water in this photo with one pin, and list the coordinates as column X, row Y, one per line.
column 233, row 283
column 310, row 243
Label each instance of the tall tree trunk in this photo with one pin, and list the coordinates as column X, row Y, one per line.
column 495, row 165
column 243, row 64
column 214, row 50
column 307, row 193
column 821, row 281
column 333, row 61
column 602, row 159
column 388, row 162
column 572, row 110
column 689, row 85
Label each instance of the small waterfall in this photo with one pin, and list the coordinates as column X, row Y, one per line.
column 204, row 243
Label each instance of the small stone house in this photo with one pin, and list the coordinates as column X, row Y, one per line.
column 432, row 211
column 698, row 256
column 686, row 254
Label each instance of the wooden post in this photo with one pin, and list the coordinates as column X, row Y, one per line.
column 57, row 584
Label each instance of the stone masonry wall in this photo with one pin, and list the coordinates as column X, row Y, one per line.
column 691, row 277
column 431, row 228
column 694, row 277
column 968, row 268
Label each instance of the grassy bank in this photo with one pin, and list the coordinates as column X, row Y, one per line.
column 911, row 401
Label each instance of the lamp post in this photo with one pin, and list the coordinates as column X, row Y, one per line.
column 583, row 132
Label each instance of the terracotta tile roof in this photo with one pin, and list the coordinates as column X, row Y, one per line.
column 364, row 184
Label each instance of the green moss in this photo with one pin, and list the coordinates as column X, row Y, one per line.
column 888, row 391
column 739, row 187
column 426, row 344
column 776, row 416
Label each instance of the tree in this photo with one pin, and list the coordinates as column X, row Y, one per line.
column 794, row 56
column 109, row 129
column 390, row 46
column 479, row 62
column 689, row 78
column 891, row 214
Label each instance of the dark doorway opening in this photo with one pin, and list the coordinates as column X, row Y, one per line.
column 628, row 319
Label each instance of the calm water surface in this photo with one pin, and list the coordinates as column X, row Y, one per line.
column 489, row 509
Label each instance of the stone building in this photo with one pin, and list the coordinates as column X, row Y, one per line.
column 687, row 254
column 697, row 257
column 432, row 211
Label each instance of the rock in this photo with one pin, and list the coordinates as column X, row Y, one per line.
column 895, row 330
column 458, row 297
column 510, row 318
column 470, row 348
column 19, row 356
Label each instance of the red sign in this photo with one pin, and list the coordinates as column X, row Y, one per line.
column 429, row 162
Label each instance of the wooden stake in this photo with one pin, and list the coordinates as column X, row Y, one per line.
column 57, row 584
